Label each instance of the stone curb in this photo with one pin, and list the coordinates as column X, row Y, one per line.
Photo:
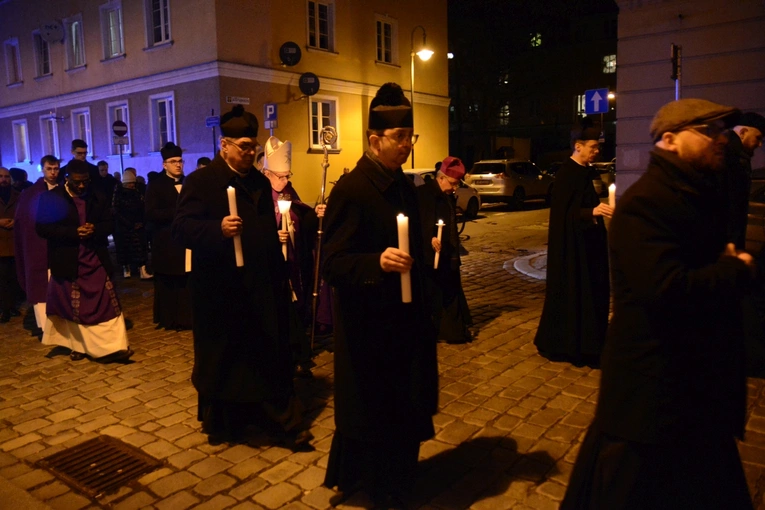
column 534, row 265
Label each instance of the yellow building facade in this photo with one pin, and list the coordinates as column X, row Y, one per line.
column 165, row 66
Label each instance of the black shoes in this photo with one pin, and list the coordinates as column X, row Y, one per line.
column 76, row 356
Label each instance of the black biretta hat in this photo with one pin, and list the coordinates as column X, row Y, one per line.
column 390, row 109
column 239, row 123
column 170, row 150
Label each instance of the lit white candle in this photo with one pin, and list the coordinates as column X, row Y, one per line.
column 284, row 210
column 612, row 195
column 440, row 226
column 237, row 239
column 403, row 245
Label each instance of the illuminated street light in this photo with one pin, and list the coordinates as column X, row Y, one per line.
column 424, row 53
column 611, row 95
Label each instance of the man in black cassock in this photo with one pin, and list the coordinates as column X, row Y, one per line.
column 673, row 387
column 386, row 378
column 436, row 196
column 242, row 360
column 575, row 314
column 169, row 259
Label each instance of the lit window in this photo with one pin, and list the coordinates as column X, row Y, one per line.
column 323, row 114
column 42, row 54
column 12, row 61
column 609, row 64
column 158, row 21
column 504, row 115
column 20, row 140
column 504, row 78
column 81, row 127
column 321, row 24
column 49, row 134
column 75, row 44
column 111, row 29
column 536, row 40
column 387, row 40
column 117, row 110
column 162, row 117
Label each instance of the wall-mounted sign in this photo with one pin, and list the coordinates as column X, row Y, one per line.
column 290, row 53
column 237, row 100
column 309, row 84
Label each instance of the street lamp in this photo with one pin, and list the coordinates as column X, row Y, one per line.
column 424, row 53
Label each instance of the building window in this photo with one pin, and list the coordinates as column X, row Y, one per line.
column 321, row 24
column 49, row 134
column 536, row 40
column 158, row 21
column 609, row 64
column 387, row 40
column 111, row 29
column 162, row 115
column 323, row 114
column 504, row 115
column 117, row 110
column 75, row 44
column 81, row 127
column 20, row 140
column 504, row 78
column 12, row 61
column 42, row 54
column 581, row 105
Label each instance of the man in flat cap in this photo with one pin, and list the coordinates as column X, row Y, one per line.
column 673, row 388
column 575, row 314
column 386, row 379
column 242, row 360
column 170, row 260
column 436, row 196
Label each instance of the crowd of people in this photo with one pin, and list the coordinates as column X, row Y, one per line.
column 233, row 248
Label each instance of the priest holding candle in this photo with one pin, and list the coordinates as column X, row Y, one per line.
column 441, row 243
column 242, row 364
column 298, row 223
column 575, row 314
column 386, row 377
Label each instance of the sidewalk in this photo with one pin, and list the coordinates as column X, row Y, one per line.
column 507, row 434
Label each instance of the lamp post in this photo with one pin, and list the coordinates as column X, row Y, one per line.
column 424, row 54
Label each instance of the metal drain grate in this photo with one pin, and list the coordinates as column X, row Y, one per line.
column 99, row 466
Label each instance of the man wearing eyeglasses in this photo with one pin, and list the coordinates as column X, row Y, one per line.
column 673, row 387
column 386, row 378
column 452, row 315
column 575, row 314
column 242, row 361
column 80, row 153
column 170, row 260
column 84, row 312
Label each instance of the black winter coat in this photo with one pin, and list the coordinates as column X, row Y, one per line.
column 167, row 255
column 241, row 327
column 386, row 377
column 673, row 364
column 57, row 221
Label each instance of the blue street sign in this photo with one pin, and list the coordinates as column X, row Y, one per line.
column 269, row 113
column 595, row 101
column 212, row 121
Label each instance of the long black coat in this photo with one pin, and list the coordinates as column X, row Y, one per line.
column 241, row 342
column 168, row 256
column 386, row 378
column 575, row 314
column 673, row 363
column 57, row 221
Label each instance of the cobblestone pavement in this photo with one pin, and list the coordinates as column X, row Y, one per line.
column 507, row 434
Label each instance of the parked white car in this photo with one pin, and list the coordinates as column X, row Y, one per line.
column 468, row 199
column 509, row 180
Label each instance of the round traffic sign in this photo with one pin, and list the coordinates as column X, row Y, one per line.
column 119, row 128
column 309, row 84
